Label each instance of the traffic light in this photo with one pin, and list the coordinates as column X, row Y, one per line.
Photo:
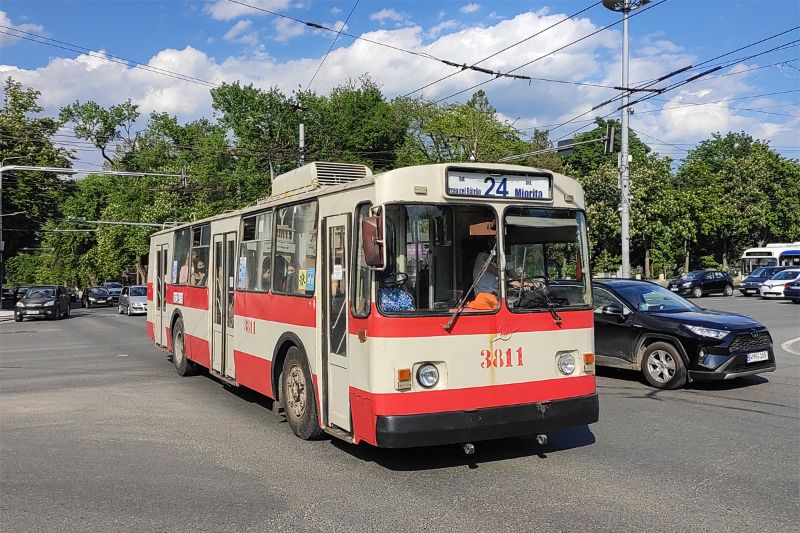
column 608, row 144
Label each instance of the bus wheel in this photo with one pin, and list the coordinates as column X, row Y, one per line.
column 182, row 364
column 297, row 394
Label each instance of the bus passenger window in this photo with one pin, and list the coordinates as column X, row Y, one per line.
column 201, row 236
column 183, row 258
column 296, row 249
column 361, row 300
column 255, row 253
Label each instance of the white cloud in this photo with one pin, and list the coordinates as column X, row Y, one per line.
column 440, row 28
column 387, row 14
column 286, row 29
column 470, row 8
column 335, row 11
column 6, row 39
column 239, row 33
column 224, row 10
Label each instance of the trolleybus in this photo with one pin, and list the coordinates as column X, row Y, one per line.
column 773, row 254
column 426, row 305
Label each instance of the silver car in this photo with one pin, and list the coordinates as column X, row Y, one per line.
column 133, row 300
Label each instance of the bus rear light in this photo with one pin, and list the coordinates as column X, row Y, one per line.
column 403, row 381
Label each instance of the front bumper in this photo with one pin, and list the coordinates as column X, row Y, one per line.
column 681, row 290
column 735, row 367
column 771, row 292
column 792, row 294
column 433, row 429
column 37, row 312
column 749, row 289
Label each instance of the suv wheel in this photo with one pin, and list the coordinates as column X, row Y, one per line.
column 663, row 366
column 697, row 292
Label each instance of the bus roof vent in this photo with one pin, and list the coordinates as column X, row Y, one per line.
column 316, row 175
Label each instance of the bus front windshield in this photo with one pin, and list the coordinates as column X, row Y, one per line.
column 547, row 259
column 444, row 257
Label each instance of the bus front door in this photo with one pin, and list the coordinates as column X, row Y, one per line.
column 160, row 295
column 335, row 313
column 222, row 281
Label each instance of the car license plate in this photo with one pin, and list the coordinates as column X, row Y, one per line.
column 34, row 312
column 101, row 301
column 750, row 291
column 757, row 356
column 674, row 289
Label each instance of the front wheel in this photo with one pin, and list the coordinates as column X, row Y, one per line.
column 67, row 311
column 697, row 292
column 663, row 366
column 119, row 309
column 297, row 394
column 796, row 301
column 17, row 317
column 728, row 290
column 182, row 364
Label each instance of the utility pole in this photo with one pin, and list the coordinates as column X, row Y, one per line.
column 302, row 144
column 625, row 6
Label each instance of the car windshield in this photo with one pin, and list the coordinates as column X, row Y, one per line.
column 760, row 272
column 651, row 298
column 98, row 291
column 138, row 291
column 693, row 275
column 112, row 285
column 40, row 293
column 786, row 274
column 546, row 259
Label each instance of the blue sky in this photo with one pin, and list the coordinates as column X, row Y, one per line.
column 222, row 41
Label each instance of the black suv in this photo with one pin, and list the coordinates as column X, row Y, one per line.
column 751, row 285
column 698, row 283
column 641, row 326
column 47, row 301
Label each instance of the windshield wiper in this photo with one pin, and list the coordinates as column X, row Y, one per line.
column 463, row 301
column 550, row 305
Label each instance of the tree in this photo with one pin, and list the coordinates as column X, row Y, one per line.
column 99, row 125
column 585, row 158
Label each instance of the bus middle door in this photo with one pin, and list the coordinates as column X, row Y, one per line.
column 222, row 281
column 334, row 317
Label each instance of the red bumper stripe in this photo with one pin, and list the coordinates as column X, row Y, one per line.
column 253, row 372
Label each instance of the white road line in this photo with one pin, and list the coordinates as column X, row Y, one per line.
column 787, row 346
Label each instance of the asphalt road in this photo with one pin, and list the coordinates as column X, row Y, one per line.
column 98, row 433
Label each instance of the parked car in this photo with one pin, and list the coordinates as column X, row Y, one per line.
column 791, row 291
column 48, row 301
column 698, row 283
column 133, row 300
column 642, row 326
column 94, row 296
column 114, row 289
column 751, row 285
column 9, row 297
column 773, row 287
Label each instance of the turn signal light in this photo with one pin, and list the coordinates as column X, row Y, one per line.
column 403, row 379
column 588, row 362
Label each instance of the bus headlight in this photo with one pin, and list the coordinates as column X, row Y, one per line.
column 565, row 362
column 428, row 375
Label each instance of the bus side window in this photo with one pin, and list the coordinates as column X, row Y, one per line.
column 361, row 286
column 295, row 249
column 255, row 253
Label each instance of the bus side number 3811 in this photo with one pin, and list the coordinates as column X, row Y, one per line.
column 499, row 358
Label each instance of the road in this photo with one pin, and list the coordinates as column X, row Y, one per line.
column 98, row 433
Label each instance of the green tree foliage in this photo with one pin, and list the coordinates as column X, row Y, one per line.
column 99, row 125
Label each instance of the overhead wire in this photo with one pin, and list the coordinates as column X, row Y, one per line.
column 339, row 33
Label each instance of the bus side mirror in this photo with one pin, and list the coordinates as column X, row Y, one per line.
column 372, row 232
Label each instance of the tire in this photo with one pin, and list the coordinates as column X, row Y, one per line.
column 728, row 290
column 57, row 315
column 17, row 317
column 68, row 311
column 796, row 301
column 663, row 366
column 183, row 366
column 128, row 310
column 298, row 398
column 697, row 292
column 119, row 309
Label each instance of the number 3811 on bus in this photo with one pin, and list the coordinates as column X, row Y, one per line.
column 500, row 358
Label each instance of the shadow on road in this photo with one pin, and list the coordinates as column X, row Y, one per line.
column 434, row 457
column 728, row 384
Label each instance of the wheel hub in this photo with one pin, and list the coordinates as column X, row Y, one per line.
column 296, row 388
column 661, row 366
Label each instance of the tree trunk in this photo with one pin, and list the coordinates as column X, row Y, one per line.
column 686, row 255
column 141, row 272
column 646, row 261
column 725, row 254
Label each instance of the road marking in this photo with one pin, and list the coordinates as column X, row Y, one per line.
column 787, row 346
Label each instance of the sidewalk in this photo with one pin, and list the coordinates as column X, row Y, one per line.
column 6, row 314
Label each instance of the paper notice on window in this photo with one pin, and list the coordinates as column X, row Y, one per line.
column 174, row 272
column 338, row 272
column 242, row 272
column 310, row 272
column 301, row 280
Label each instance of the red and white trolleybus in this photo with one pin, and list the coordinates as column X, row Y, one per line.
column 425, row 305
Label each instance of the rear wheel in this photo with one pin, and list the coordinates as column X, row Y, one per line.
column 297, row 394
column 796, row 301
column 697, row 292
column 182, row 364
column 728, row 290
column 663, row 366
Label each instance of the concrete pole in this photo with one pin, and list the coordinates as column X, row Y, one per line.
column 624, row 177
column 302, row 144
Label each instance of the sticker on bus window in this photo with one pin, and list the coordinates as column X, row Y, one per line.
column 242, row 271
column 301, row 280
column 338, row 272
column 310, row 272
column 174, row 272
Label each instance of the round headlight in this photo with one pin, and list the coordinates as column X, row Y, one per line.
column 20, row 304
column 566, row 363
column 428, row 375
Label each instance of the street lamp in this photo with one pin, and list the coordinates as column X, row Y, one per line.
column 625, row 7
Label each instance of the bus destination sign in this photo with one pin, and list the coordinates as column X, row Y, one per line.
column 511, row 186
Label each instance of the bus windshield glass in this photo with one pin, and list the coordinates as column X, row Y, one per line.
column 547, row 259
column 432, row 250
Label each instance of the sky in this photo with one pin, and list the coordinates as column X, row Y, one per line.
column 184, row 48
